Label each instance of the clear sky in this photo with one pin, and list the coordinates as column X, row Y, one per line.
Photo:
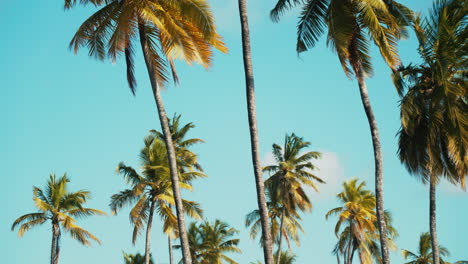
column 66, row 113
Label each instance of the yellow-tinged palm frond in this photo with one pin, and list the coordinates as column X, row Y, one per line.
column 84, row 212
column 56, row 204
column 28, row 221
column 138, row 216
column 81, row 235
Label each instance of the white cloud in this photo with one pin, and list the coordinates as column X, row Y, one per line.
column 329, row 169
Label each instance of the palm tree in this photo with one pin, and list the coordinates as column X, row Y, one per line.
column 352, row 25
column 286, row 258
column 167, row 30
column 358, row 217
column 287, row 224
column 424, row 253
column 187, row 160
column 433, row 138
column 59, row 206
column 255, row 146
column 289, row 177
column 209, row 242
column 152, row 191
column 135, row 259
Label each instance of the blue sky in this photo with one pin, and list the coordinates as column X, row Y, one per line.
column 66, row 113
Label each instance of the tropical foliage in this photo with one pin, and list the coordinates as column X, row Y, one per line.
column 291, row 225
column 424, row 253
column 135, row 259
column 152, row 190
column 352, row 25
column 356, row 228
column 166, row 30
column 210, row 242
column 433, row 139
column 288, row 178
column 59, row 207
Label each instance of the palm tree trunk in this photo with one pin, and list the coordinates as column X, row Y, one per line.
column 278, row 253
column 379, row 192
column 171, row 257
column 55, row 248
column 250, row 91
column 432, row 222
column 148, row 233
column 169, row 148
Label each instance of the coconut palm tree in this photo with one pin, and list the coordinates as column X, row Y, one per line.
column 254, row 144
column 286, row 221
column 433, row 138
column 187, row 160
column 152, row 191
column 424, row 253
column 209, row 242
column 289, row 176
column 286, row 258
column 59, row 206
column 356, row 227
column 135, row 259
column 166, row 30
column 352, row 25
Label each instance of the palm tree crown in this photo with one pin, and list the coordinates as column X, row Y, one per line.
column 168, row 29
column 424, row 253
column 153, row 185
column 292, row 172
column 209, row 242
column 59, row 206
column 56, row 204
column 356, row 227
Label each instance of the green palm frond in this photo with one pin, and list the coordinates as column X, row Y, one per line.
column 58, row 205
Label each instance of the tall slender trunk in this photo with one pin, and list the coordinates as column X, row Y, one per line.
column 169, row 243
column 148, row 233
column 55, row 247
column 169, row 148
column 278, row 253
column 432, row 222
column 250, row 91
column 379, row 191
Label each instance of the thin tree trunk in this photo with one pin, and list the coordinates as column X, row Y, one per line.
column 52, row 247
column 379, row 191
column 169, row 148
column 353, row 250
column 432, row 222
column 55, row 248
column 250, row 91
column 278, row 253
column 169, row 243
column 148, row 233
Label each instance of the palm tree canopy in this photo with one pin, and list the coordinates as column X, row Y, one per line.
column 170, row 29
column 209, row 242
column 357, row 223
column 291, row 222
column 56, row 204
column 154, row 185
column 135, row 259
column 292, row 172
column 352, row 25
column 433, row 139
column 179, row 131
column 424, row 251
